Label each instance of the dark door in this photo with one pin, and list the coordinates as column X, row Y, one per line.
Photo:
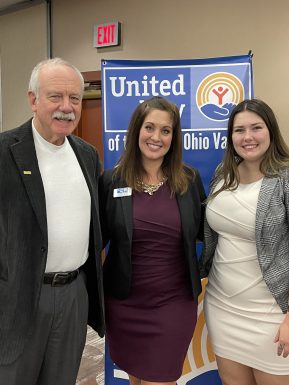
column 90, row 124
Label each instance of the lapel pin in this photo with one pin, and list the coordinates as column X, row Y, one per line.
column 27, row 172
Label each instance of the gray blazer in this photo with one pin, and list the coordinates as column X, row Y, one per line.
column 24, row 239
column 272, row 238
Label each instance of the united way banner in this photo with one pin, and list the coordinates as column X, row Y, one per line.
column 206, row 91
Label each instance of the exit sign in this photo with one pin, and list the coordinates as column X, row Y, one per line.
column 106, row 35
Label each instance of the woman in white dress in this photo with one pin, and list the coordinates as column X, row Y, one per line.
column 246, row 251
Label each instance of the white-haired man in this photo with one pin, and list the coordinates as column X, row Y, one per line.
column 50, row 238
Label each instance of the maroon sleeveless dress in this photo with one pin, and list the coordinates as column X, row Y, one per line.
column 148, row 333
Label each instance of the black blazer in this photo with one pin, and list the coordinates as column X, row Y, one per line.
column 117, row 227
column 23, row 238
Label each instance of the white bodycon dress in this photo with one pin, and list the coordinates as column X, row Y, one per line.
column 241, row 314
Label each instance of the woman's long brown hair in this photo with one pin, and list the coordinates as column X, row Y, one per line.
column 130, row 167
column 275, row 159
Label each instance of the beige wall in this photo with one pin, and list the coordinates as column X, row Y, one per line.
column 152, row 29
column 22, row 44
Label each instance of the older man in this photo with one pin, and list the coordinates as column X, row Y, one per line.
column 50, row 239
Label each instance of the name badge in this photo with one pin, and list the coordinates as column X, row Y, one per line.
column 122, row 192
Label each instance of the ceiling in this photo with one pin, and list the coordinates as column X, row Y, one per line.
column 7, row 6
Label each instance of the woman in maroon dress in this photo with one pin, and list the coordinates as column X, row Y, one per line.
column 151, row 216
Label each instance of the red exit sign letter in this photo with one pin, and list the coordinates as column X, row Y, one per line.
column 106, row 35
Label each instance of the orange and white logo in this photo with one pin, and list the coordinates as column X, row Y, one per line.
column 218, row 94
column 200, row 357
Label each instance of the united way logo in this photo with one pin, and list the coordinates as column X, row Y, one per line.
column 218, row 94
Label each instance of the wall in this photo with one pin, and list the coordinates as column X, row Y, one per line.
column 22, row 44
column 152, row 29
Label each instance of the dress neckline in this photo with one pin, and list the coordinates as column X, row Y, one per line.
column 251, row 184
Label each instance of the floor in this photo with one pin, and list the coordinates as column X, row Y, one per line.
column 91, row 371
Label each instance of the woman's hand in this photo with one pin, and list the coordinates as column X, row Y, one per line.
column 282, row 337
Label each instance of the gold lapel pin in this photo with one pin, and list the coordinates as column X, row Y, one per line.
column 27, row 172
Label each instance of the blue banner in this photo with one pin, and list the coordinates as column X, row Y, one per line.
column 206, row 91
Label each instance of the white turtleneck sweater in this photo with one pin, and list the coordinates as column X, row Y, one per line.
column 68, row 205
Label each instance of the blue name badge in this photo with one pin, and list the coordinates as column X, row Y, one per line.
column 122, row 192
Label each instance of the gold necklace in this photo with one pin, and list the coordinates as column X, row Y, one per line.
column 151, row 188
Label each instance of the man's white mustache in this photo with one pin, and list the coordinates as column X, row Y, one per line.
column 63, row 116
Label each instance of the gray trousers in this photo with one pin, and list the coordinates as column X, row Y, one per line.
column 52, row 354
